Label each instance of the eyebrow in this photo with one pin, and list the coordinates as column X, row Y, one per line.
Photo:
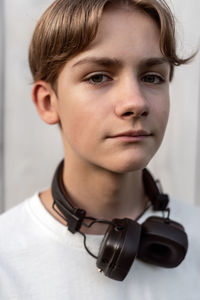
column 155, row 61
column 101, row 61
column 114, row 62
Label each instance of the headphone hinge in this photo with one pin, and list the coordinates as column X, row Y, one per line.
column 161, row 202
column 74, row 221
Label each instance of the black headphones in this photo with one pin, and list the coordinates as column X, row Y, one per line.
column 158, row 241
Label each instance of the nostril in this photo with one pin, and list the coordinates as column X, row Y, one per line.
column 144, row 114
column 128, row 113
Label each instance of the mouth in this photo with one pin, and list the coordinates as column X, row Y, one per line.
column 132, row 135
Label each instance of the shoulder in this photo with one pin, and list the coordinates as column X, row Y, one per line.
column 9, row 217
column 14, row 223
column 189, row 216
column 186, row 213
column 16, row 213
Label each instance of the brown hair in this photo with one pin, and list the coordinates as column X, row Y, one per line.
column 67, row 27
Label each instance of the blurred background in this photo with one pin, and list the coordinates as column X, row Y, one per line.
column 30, row 149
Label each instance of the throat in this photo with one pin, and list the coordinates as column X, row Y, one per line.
column 104, row 198
column 108, row 197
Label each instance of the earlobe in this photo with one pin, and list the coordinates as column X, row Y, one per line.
column 45, row 101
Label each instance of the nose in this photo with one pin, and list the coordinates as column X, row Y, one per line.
column 131, row 102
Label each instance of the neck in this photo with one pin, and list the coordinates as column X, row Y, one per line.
column 102, row 194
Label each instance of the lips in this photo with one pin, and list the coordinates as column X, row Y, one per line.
column 133, row 133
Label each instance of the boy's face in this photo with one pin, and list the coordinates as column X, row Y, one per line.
column 113, row 98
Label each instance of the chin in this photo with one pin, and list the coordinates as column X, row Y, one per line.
column 132, row 159
column 128, row 166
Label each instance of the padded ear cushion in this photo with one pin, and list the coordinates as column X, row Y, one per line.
column 119, row 248
column 163, row 242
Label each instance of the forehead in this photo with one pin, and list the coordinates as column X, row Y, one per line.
column 124, row 34
column 131, row 27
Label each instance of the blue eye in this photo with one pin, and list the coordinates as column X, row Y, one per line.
column 153, row 79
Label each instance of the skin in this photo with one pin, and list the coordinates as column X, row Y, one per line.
column 97, row 99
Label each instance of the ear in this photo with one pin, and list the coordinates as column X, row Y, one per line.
column 45, row 100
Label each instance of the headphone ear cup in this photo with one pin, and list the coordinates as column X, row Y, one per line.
column 119, row 248
column 163, row 242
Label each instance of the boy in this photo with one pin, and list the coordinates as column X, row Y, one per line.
column 101, row 71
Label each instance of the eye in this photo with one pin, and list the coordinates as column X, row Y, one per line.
column 152, row 79
column 98, row 79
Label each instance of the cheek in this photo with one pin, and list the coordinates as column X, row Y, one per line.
column 166, row 110
column 75, row 125
column 162, row 113
column 80, row 124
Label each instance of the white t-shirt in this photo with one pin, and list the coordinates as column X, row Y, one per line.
column 41, row 260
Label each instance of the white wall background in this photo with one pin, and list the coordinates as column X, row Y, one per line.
column 33, row 149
